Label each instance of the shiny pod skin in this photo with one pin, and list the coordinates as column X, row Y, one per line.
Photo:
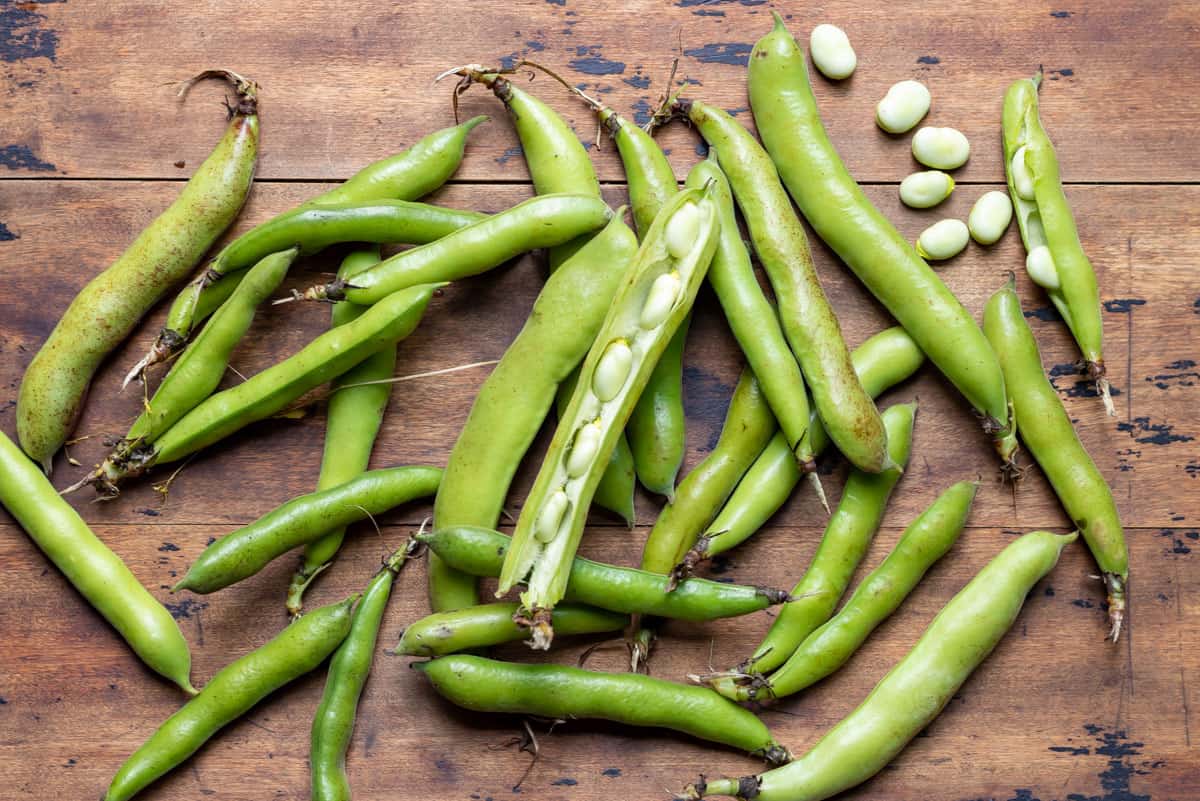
column 483, row 626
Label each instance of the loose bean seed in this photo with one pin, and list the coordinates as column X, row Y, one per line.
column 990, row 217
column 831, row 52
column 941, row 148
column 924, row 190
column 943, row 240
column 903, row 107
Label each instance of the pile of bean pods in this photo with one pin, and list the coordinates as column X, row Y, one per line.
column 602, row 353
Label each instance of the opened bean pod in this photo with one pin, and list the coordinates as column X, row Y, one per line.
column 653, row 299
column 1079, row 485
column 407, row 175
column 481, row 552
column 483, row 626
column 962, row 635
column 566, row 693
column 884, row 360
column 513, row 402
column 105, row 311
column 790, row 125
column 302, row 520
column 1056, row 260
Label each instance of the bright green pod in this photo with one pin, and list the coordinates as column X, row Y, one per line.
column 567, row 693
column 233, row 692
column 752, row 318
column 787, row 118
column 476, row 627
column 513, row 402
column 481, row 552
column 105, row 311
column 333, row 723
column 613, row 375
column 242, row 553
column 1052, row 440
column 92, row 568
column 1045, row 220
column 199, row 370
column 843, row 545
column 884, row 360
column 358, row 398
column 916, row 690
column 540, row 222
column 272, row 390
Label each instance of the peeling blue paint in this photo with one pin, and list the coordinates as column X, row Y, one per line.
column 7, row 235
column 23, row 35
column 20, row 157
column 737, row 53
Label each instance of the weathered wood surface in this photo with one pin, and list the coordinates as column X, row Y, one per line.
column 1054, row 714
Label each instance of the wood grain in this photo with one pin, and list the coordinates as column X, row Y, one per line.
column 89, row 135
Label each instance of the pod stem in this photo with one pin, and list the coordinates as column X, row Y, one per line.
column 246, row 89
column 815, row 481
column 540, row 625
column 1115, row 585
column 745, row 788
column 477, row 73
column 665, row 111
column 1096, row 372
column 696, row 556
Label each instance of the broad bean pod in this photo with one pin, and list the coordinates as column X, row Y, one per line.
column 475, row 627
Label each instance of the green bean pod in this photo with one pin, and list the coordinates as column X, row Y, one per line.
column 843, row 545
column 925, row 541
column 748, row 426
column 357, row 402
column 302, row 520
column 270, row 391
column 753, row 319
column 232, row 693
column 542, row 221
column 916, row 690
column 557, row 692
column 655, row 295
column 95, row 571
column 809, row 323
column 884, row 360
column 513, row 402
column 407, row 175
column 198, row 371
column 657, row 426
column 313, row 228
column 333, row 723
column 212, row 297
column 785, row 112
column 1045, row 220
column 476, row 627
column 481, row 552
column 1052, row 440
column 106, row 310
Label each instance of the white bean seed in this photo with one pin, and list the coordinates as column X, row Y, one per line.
column 924, row 190
column 660, row 300
column 550, row 519
column 831, row 52
column 1040, row 266
column 943, row 240
column 902, row 107
column 682, row 230
column 613, row 370
column 990, row 217
column 1022, row 177
column 583, row 450
column 941, row 148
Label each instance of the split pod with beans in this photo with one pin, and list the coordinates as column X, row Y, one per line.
column 652, row 301
column 1055, row 261
column 106, row 310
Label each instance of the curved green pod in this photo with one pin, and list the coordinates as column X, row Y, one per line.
column 808, row 321
column 567, row 693
column 303, row 519
column 542, row 221
column 358, row 398
column 475, row 627
column 105, row 311
column 1045, row 220
column 92, row 568
column 786, row 114
column 1052, row 440
column 333, row 723
column 272, row 390
column 515, row 399
column 843, row 545
column 481, row 551
column 233, row 692
column 916, row 690
column 881, row 362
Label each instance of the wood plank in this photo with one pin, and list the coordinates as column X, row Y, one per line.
column 87, row 96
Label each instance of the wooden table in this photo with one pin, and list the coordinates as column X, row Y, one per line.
column 94, row 145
